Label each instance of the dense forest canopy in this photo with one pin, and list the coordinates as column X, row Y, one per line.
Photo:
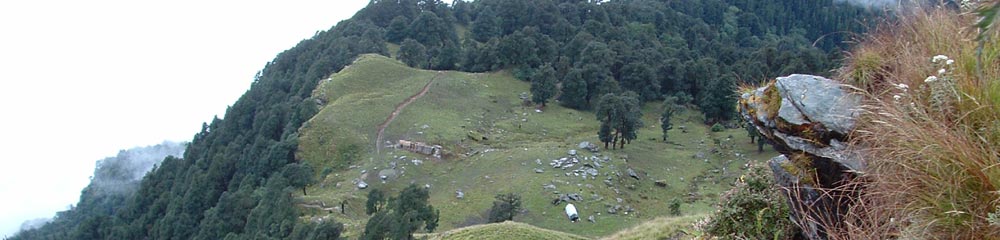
column 696, row 50
column 237, row 177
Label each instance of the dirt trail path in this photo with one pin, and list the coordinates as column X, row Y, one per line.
column 399, row 108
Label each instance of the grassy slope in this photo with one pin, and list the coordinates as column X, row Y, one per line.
column 361, row 96
column 502, row 231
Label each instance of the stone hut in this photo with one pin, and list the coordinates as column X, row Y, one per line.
column 419, row 147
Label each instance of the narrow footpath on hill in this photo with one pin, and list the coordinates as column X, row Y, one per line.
column 399, row 108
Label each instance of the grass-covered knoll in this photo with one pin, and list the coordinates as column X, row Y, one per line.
column 933, row 129
column 502, row 231
column 660, row 228
column 360, row 97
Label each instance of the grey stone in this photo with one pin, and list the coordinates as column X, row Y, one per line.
column 417, row 162
column 539, row 170
column 801, row 196
column 592, row 219
column 387, row 174
column 837, row 151
column 790, row 114
column 362, row 185
column 549, row 187
column 661, row 183
column 615, row 209
column 571, row 152
column 821, row 100
column 631, row 173
column 459, row 194
column 575, row 197
column 592, row 172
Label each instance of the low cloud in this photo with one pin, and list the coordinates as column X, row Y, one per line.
column 874, row 3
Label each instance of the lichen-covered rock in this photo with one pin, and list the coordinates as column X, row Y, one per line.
column 808, row 119
column 801, row 195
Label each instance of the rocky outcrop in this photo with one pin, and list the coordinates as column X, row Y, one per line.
column 809, row 119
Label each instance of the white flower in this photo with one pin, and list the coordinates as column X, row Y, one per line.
column 942, row 71
column 930, row 79
column 903, row 86
column 897, row 97
column 939, row 58
column 949, row 62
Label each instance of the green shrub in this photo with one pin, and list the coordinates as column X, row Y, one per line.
column 675, row 207
column 753, row 209
column 505, row 207
column 718, row 128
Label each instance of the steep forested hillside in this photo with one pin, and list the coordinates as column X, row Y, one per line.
column 115, row 180
column 236, row 178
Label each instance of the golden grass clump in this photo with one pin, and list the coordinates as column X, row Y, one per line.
column 932, row 130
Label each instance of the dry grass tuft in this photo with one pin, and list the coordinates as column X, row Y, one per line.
column 934, row 158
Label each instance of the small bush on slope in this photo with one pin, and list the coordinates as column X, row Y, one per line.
column 753, row 209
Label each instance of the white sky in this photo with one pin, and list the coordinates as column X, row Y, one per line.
column 80, row 80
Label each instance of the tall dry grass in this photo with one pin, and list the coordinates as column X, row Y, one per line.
column 932, row 130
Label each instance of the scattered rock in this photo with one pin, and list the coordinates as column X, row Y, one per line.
column 631, row 173
column 387, row 174
column 661, row 183
column 592, row 172
column 459, row 194
column 575, row 197
column 588, row 146
column 572, row 152
column 592, row 219
column 362, row 185
column 608, row 182
column 549, row 187
column 539, row 170
column 615, row 209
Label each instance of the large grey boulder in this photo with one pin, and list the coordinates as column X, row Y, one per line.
column 819, row 100
column 813, row 122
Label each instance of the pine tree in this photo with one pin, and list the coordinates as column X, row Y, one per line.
column 486, row 26
column 574, row 90
column 413, row 53
column 398, row 30
column 543, row 85
column 505, row 207
column 669, row 107
column 620, row 116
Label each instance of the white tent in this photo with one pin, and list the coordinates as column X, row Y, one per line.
column 571, row 212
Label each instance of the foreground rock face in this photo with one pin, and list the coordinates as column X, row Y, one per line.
column 808, row 120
